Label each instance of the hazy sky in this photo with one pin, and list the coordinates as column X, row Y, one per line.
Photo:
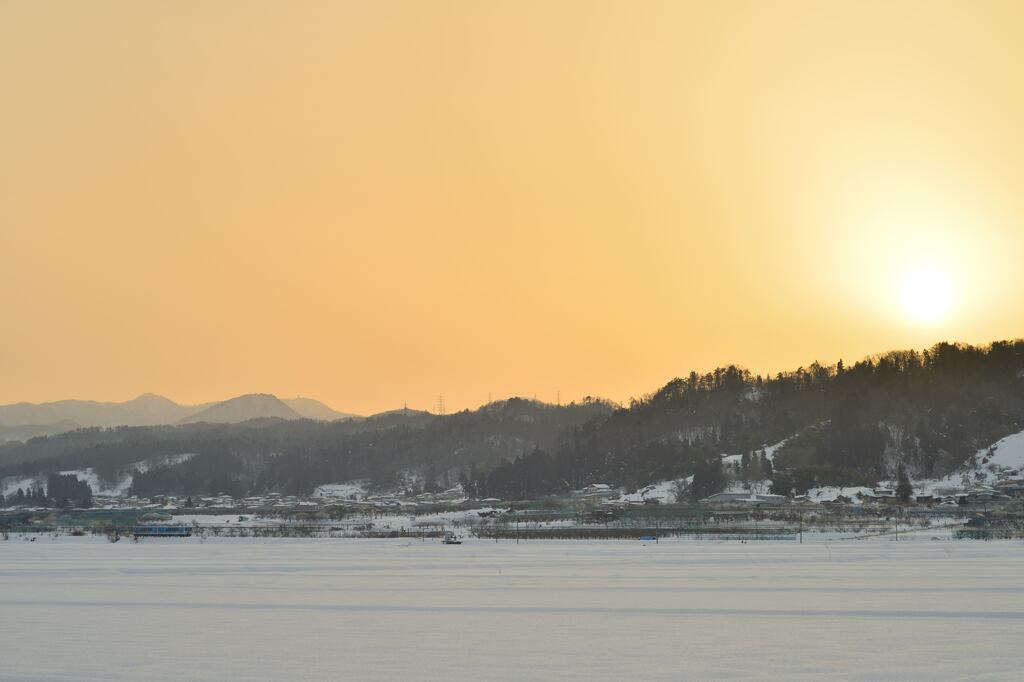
column 379, row 202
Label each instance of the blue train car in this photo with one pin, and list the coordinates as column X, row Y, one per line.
column 162, row 531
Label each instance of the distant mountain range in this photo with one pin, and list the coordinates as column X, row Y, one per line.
column 314, row 409
column 22, row 421
column 243, row 408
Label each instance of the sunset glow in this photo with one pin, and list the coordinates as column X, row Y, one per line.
column 926, row 295
column 511, row 339
column 381, row 203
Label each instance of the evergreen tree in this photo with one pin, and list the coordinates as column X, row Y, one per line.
column 708, row 478
column 67, row 487
column 782, row 484
column 903, row 489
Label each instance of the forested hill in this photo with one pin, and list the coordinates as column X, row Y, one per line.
column 294, row 456
column 843, row 424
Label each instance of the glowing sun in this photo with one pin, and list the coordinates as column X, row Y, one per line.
column 926, row 295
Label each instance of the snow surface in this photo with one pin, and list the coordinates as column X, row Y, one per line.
column 85, row 609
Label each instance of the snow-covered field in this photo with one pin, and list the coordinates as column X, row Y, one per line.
column 84, row 609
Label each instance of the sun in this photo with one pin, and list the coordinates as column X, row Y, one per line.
column 926, row 295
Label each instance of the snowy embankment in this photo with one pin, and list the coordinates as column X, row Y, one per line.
column 1002, row 459
column 84, row 609
column 986, row 467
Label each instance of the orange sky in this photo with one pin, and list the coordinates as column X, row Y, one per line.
column 379, row 202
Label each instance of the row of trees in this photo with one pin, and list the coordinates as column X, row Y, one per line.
column 62, row 490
